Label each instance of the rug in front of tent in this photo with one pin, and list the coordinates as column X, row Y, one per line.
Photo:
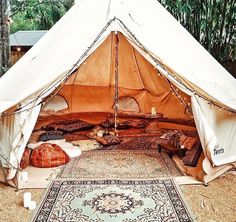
column 120, row 164
column 113, row 201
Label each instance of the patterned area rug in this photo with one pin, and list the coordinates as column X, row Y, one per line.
column 120, row 164
column 112, row 201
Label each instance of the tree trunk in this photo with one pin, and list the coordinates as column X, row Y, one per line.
column 4, row 36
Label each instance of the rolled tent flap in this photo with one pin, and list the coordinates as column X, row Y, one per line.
column 16, row 129
column 216, row 129
column 213, row 172
column 221, row 125
column 206, row 133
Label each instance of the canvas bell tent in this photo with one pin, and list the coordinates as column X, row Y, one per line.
column 105, row 50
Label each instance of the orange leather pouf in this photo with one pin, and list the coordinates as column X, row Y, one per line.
column 48, row 155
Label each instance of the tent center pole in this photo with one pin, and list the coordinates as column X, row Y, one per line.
column 116, row 104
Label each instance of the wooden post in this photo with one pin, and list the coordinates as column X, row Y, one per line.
column 116, row 104
column 4, row 36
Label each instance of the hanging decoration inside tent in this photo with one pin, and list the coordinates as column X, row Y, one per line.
column 116, row 107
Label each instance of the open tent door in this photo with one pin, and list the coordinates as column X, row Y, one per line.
column 141, row 87
column 90, row 89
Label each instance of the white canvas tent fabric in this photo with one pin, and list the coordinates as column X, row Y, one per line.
column 158, row 37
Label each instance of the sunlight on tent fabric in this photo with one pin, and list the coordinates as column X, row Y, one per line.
column 128, row 104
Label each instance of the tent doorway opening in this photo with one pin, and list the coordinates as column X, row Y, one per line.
column 150, row 107
column 117, row 100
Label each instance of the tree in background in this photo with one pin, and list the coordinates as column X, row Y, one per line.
column 4, row 36
column 27, row 15
column 37, row 14
column 211, row 22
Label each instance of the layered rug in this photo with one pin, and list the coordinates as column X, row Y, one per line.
column 120, row 164
column 112, row 201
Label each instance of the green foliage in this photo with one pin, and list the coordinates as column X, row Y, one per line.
column 21, row 24
column 37, row 14
column 211, row 22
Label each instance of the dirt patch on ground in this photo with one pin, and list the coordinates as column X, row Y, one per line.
column 11, row 204
column 213, row 203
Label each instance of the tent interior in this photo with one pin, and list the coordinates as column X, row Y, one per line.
column 91, row 87
column 117, row 69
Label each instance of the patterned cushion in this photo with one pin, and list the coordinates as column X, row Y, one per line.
column 108, row 140
column 67, row 126
column 170, row 135
column 25, row 160
column 137, row 123
column 48, row 155
column 75, row 136
column 188, row 142
column 110, row 123
column 51, row 135
column 172, row 138
column 182, row 138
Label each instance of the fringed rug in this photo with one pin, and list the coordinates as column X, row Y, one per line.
column 120, row 164
column 112, row 201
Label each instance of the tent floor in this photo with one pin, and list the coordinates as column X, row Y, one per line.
column 193, row 174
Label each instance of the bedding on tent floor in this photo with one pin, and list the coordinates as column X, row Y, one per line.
column 131, row 134
column 114, row 56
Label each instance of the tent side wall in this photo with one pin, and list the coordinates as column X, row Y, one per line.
column 14, row 134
